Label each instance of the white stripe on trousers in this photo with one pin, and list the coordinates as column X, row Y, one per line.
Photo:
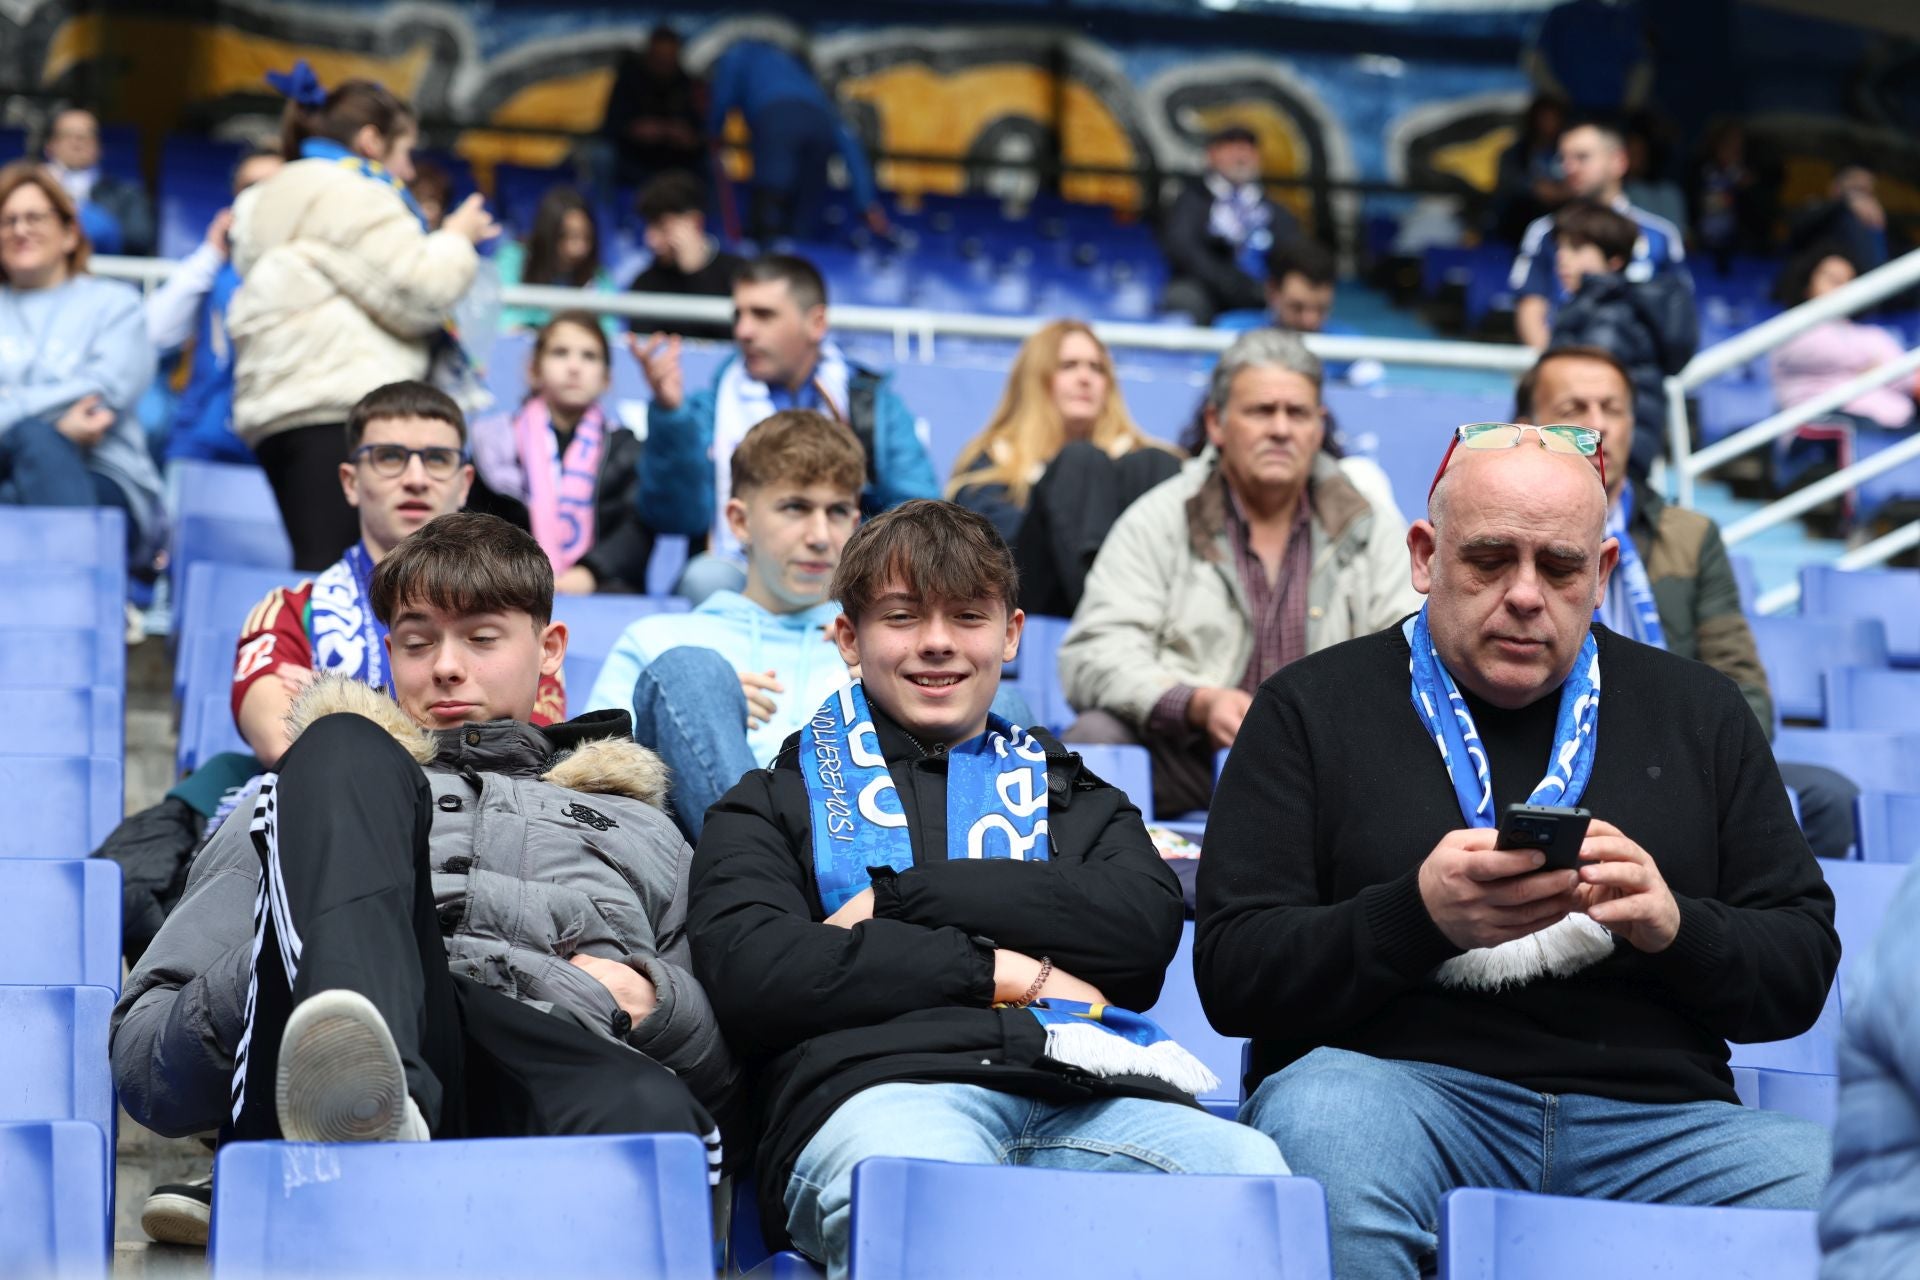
column 269, row 900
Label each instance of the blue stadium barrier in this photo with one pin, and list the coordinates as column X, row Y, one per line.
column 73, row 805
column 60, row 922
column 53, row 1055
column 1888, row 826
column 632, row 1207
column 95, row 536
column 1891, row 595
column 63, row 722
column 1874, row 761
column 68, row 658
column 937, row 1221
column 1862, row 698
column 1179, row 1014
column 58, row 597
column 1798, row 652
column 1514, row 1235
column 56, row 1224
column 1129, row 768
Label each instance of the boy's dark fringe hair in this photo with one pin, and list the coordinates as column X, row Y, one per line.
column 466, row 563
column 935, row 550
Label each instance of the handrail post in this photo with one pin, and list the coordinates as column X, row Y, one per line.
column 1680, row 437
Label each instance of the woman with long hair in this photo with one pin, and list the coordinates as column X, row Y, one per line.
column 74, row 360
column 342, row 290
column 562, row 250
column 564, row 469
column 1060, row 459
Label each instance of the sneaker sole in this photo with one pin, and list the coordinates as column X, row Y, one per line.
column 172, row 1219
column 339, row 1078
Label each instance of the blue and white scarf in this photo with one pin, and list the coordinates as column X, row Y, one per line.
column 346, row 635
column 1630, row 608
column 741, row 403
column 996, row 808
column 1242, row 217
column 1577, row 941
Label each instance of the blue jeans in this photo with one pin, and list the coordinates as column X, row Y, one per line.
column 39, row 467
column 689, row 708
column 966, row 1124
column 707, row 573
column 1388, row 1138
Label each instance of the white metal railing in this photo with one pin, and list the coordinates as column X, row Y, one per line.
column 1688, row 464
column 915, row 328
column 1865, row 556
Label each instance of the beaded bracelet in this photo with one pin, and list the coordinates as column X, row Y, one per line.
column 1039, row 981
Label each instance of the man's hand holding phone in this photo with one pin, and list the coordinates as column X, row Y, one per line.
column 1480, row 895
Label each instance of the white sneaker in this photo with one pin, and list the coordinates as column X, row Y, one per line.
column 179, row 1212
column 340, row 1077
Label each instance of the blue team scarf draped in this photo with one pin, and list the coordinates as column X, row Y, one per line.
column 328, row 149
column 1575, row 941
column 346, row 635
column 1630, row 606
column 996, row 808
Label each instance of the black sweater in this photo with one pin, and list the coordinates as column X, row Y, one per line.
column 1312, row 931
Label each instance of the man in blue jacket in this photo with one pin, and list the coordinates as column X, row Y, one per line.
column 784, row 360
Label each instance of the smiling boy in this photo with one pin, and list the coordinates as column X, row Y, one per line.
column 889, row 918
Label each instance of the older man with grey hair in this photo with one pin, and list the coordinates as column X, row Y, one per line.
column 1264, row 549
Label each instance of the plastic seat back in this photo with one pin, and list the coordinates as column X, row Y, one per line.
column 1873, row 761
column 1888, row 823
column 56, row 1224
column 1862, row 698
column 63, row 722
column 53, row 1054
column 76, row 802
column 1891, row 595
column 1129, row 768
column 60, row 922
column 1180, row 1015
column 1798, row 652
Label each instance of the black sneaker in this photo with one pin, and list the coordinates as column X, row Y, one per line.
column 179, row 1212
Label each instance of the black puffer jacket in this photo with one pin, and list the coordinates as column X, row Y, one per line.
column 825, row 1012
column 1651, row 327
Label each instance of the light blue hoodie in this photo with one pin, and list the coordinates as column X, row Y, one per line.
column 794, row 646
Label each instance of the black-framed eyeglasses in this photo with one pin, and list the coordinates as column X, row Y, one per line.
column 391, row 460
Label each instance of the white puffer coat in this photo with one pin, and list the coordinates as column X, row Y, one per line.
column 341, row 292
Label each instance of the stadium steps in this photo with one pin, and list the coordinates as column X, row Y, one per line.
column 1776, row 553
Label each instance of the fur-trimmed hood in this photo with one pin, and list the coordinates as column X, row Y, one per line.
column 594, row 753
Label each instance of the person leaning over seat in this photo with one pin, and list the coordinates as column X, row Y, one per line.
column 1429, row 1011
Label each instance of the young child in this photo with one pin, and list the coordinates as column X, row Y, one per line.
column 906, row 920
column 564, row 468
column 1649, row 324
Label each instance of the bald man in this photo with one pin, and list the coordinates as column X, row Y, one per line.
column 1428, row 1011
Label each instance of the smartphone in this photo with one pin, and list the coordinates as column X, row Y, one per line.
column 1555, row 831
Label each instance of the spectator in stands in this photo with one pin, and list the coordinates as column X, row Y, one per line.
column 566, row 469
column 342, row 290
column 1835, row 351
column 686, row 260
column 1594, row 158
column 557, row 999
column 793, row 129
column 1649, row 184
column 1058, row 462
column 406, row 466
column 1648, row 324
column 716, row 692
column 1429, row 1011
column 191, row 307
column 1867, row 1225
column 1262, row 551
column 1673, row 587
column 1217, row 231
column 1851, row 214
column 562, row 250
column 74, row 359
column 115, row 213
column 1733, row 196
column 476, row 317
column 1528, row 182
column 884, row 971
column 653, row 112
column 784, row 361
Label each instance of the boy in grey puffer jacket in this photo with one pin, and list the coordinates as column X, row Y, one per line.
column 466, row 926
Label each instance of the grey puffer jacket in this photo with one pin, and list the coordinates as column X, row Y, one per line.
column 530, row 886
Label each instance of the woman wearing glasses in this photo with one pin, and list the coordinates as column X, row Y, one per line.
column 74, row 358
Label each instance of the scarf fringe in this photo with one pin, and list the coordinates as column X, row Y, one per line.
column 1563, row 948
column 1094, row 1049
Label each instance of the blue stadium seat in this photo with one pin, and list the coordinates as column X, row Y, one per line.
column 64, row 598
column 1129, row 768
column 60, row 922
column 937, row 1221
column 225, row 512
column 1808, row 1096
column 519, row 189
column 63, row 535
column 1039, row 671
column 53, row 1055
column 1891, row 595
column 68, row 658
column 1406, row 433
column 1747, row 580
column 1888, row 823
column 1179, row 1014
column 1862, row 698
column 1861, row 893
column 1874, row 761
column 1513, row 1235
column 785, row 1265
column 596, row 623
column 747, row 1249
column 63, row 722
column 1799, row 1076
column 56, row 1224
column 1799, row 651
column 634, row 1206
column 206, row 730
column 212, row 609
column 76, row 802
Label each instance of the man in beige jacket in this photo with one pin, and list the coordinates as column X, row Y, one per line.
column 1262, row 550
